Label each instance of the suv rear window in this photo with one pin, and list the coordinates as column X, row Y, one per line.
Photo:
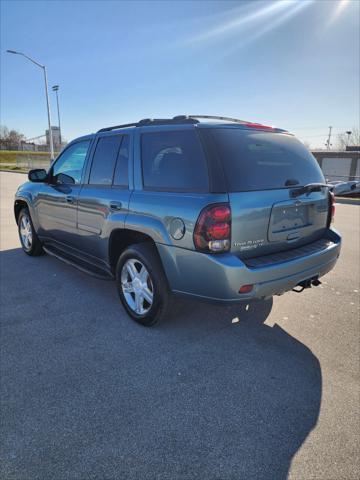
column 173, row 161
column 263, row 160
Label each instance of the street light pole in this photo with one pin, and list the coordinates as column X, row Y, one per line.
column 55, row 89
column 49, row 116
column 47, row 97
column 328, row 144
column 348, row 133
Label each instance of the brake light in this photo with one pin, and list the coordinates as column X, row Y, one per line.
column 221, row 213
column 331, row 207
column 259, row 125
column 219, row 231
column 213, row 229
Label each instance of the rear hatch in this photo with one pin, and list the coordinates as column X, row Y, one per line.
column 264, row 172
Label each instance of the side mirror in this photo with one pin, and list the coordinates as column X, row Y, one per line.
column 37, row 175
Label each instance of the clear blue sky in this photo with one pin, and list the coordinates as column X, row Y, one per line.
column 291, row 63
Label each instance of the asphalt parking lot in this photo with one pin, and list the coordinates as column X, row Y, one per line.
column 88, row 394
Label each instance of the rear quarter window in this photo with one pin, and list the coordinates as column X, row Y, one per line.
column 263, row 161
column 103, row 164
column 173, row 161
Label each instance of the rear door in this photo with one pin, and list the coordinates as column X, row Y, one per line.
column 104, row 198
column 261, row 170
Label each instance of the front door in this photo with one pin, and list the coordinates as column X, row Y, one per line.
column 57, row 200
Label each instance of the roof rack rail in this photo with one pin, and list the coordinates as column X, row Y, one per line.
column 216, row 117
column 181, row 119
column 241, row 122
column 124, row 125
column 167, row 121
column 152, row 121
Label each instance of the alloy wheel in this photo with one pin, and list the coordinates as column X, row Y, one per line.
column 26, row 231
column 137, row 286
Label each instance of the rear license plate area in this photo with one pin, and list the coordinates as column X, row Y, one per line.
column 290, row 221
column 286, row 218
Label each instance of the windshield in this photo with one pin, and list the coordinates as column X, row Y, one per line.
column 255, row 160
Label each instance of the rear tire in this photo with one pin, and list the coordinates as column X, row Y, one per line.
column 142, row 284
column 30, row 242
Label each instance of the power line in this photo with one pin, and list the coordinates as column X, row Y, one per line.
column 313, row 136
column 319, row 127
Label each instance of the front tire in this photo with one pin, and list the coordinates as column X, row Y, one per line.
column 29, row 240
column 142, row 284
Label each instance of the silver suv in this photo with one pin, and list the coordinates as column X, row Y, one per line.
column 212, row 208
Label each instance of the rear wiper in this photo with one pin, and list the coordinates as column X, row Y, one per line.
column 310, row 187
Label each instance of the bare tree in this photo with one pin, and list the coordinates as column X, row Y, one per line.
column 351, row 139
column 4, row 133
column 10, row 138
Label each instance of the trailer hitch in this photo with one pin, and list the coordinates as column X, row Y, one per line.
column 310, row 282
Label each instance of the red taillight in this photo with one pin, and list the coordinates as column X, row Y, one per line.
column 246, row 288
column 213, row 229
column 331, row 207
column 219, row 231
column 221, row 213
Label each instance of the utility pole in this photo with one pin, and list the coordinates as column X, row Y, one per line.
column 55, row 89
column 328, row 144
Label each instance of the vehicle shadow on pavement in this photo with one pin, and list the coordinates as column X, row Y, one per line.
column 89, row 394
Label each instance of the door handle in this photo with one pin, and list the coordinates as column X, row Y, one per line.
column 70, row 199
column 115, row 205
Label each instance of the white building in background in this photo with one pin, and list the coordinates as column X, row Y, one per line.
column 56, row 137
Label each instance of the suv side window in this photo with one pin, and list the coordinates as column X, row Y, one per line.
column 122, row 165
column 69, row 166
column 104, row 160
column 173, row 161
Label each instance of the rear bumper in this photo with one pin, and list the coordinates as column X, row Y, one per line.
column 219, row 277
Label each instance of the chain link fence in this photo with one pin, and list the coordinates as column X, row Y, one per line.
column 23, row 161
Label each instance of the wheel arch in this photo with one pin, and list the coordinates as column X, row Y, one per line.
column 19, row 204
column 120, row 239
